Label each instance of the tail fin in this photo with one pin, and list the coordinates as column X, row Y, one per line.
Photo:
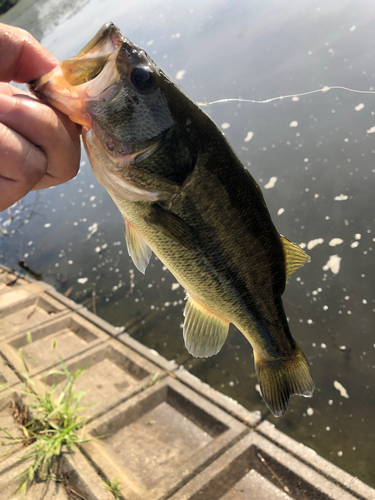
column 281, row 379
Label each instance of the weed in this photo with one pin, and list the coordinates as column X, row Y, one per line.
column 114, row 487
column 152, row 382
column 54, row 422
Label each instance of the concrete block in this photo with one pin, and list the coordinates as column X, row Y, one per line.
column 83, row 478
column 113, row 374
column 73, row 474
column 228, row 404
column 100, row 322
column 257, row 468
column 156, row 441
column 153, row 356
column 8, row 426
column 43, row 346
column 19, row 291
column 330, row 474
column 38, row 490
column 8, row 377
column 73, row 470
column 24, row 314
column 13, row 288
column 68, row 303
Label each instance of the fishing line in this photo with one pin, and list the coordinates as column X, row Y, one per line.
column 323, row 89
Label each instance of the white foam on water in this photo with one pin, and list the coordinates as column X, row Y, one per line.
column 180, row 74
column 343, row 392
column 333, row 264
column 271, row 183
column 341, row 197
column 313, row 243
column 249, row 136
column 335, row 241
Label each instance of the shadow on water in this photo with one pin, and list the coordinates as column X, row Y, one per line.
column 313, row 158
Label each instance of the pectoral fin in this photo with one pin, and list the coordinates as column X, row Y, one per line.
column 295, row 257
column 204, row 332
column 172, row 225
column 138, row 249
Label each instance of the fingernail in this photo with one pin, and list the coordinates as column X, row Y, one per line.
column 6, row 104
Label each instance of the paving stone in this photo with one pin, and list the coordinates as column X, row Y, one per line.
column 223, row 401
column 43, row 346
column 83, row 478
column 257, row 468
column 9, row 482
column 154, row 356
column 158, row 439
column 74, row 468
column 8, row 428
column 347, row 484
column 113, row 374
column 26, row 313
column 178, row 438
column 100, row 322
column 68, row 303
column 74, row 472
column 8, row 377
column 13, row 289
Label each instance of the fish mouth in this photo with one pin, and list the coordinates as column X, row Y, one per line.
column 78, row 79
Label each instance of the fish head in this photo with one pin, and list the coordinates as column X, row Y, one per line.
column 124, row 102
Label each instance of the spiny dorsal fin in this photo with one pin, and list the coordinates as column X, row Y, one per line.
column 295, row 257
column 138, row 249
column 204, row 332
column 282, row 378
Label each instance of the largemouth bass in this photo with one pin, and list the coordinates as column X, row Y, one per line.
column 185, row 196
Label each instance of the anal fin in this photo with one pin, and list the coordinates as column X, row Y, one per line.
column 279, row 379
column 204, row 332
column 295, row 257
column 138, row 249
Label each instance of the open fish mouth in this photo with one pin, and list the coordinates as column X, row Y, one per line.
column 82, row 77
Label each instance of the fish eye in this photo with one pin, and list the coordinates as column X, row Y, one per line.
column 142, row 77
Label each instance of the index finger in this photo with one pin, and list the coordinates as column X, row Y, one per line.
column 22, row 58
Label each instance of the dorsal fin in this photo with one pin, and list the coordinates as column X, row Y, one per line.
column 204, row 332
column 295, row 257
column 138, row 249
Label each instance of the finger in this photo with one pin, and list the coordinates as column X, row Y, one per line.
column 52, row 132
column 22, row 166
column 22, row 58
column 10, row 90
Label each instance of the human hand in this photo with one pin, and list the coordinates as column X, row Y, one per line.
column 39, row 146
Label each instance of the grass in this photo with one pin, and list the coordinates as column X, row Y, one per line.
column 114, row 487
column 50, row 421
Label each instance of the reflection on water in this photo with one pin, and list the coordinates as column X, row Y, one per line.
column 313, row 156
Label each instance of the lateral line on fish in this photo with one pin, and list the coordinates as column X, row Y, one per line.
column 280, row 98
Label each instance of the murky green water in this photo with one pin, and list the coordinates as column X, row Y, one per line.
column 321, row 149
